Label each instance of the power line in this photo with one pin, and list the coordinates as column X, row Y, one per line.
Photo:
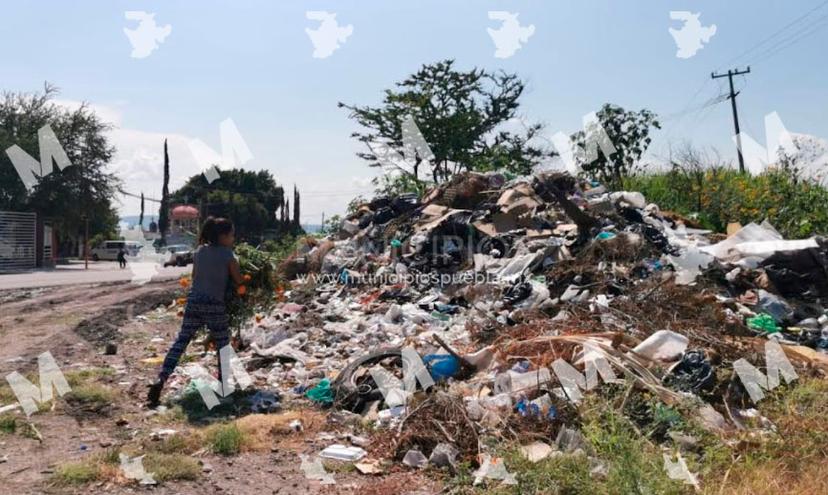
column 688, row 107
column 791, row 40
column 120, row 190
column 773, row 35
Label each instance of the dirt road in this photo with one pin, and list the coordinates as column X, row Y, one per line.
column 74, row 323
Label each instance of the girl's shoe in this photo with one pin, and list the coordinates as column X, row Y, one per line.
column 154, row 394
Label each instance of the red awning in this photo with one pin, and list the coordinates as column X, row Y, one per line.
column 184, row 212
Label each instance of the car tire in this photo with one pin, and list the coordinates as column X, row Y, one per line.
column 95, row 257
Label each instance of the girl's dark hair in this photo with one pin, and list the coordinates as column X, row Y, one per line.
column 213, row 228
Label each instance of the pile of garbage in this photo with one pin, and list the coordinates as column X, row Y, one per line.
column 489, row 307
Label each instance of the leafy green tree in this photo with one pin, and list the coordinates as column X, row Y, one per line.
column 331, row 225
column 250, row 199
column 460, row 115
column 629, row 133
column 68, row 196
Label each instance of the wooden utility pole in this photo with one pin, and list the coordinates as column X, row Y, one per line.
column 729, row 75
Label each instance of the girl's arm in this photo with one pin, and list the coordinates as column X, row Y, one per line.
column 235, row 272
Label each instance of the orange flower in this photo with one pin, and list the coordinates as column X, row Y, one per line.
column 247, row 277
column 181, row 301
column 241, row 290
column 184, row 282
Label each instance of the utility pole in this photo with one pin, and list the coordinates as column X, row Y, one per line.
column 86, row 243
column 729, row 75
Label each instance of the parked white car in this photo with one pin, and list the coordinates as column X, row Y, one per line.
column 109, row 250
column 179, row 255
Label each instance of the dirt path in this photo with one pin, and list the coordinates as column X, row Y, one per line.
column 74, row 323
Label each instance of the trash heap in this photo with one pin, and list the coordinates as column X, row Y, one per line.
column 506, row 291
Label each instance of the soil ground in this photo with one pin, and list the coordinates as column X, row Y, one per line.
column 74, row 323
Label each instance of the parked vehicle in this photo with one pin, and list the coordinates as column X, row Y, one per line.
column 180, row 255
column 109, row 250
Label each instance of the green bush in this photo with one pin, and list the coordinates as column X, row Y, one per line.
column 717, row 196
column 225, row 439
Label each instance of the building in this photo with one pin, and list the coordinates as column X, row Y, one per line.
column 26, row 241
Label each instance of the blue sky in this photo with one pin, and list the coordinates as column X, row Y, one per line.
column 252, row 61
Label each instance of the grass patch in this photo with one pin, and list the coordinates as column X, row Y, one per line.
column 224, row 439
column 76, row 473
column 75, row 379
column 174, row 414
column 175, row 444
column 81, row 377
column 635, row 465
column 167, row 467
column 262, row 431
column 6, row 394
column 793, row 460
column 105, row 465
column 8, row 424
column 89, row 398
column 339, row 467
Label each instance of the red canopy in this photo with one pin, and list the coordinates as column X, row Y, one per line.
column 184, row 212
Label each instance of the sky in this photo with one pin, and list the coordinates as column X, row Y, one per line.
column 254, row 63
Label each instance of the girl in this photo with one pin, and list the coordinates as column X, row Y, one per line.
column 213, row 264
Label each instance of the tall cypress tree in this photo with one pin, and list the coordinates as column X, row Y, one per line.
column 295, row 209
column 163, row 215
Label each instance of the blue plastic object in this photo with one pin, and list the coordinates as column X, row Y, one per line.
column 441, row 366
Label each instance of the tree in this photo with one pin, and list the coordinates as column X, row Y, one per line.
column 807, row 160
column 629, row 133
column 331, row 225
column 164, row 212
column 64, row 196
column 141, row 217
column 296, row 225
column 460, row 115
column 250, row 199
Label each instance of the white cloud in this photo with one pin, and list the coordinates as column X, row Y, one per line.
column 139, row 163
column 111, row 114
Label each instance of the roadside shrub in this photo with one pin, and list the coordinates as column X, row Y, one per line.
column 718, row 195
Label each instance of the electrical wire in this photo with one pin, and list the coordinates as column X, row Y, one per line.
column 791, row 40
column 773, row 35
